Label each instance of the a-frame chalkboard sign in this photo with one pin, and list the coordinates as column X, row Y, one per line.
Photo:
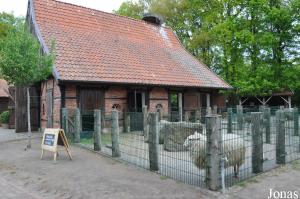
column 51, row 139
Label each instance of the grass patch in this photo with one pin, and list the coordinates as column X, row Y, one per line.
column 246, row 182
column 164, row 177
column 296, row 165
column 105, row 140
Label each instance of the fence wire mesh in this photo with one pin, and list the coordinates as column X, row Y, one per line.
column 252, row 140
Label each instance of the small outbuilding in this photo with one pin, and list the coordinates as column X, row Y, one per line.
column 105, row 61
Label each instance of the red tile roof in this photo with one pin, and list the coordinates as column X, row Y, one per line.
column 95, row 46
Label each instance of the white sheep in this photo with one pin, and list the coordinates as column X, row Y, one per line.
column 233, row 148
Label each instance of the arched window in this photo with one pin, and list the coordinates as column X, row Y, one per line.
column 116, row 106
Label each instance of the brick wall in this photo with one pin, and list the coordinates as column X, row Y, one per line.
column 70, row 96
column 159, row 96
column 115, row 96
column 191, row 100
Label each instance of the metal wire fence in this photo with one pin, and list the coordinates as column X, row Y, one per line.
column 181, row 145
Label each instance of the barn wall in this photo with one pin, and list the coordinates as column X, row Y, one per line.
column 157, row 97
column 50, row 84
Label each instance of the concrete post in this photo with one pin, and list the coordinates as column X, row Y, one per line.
column 97, row 130
column 267, row 123
column 213, row 151
column 239, row 114
column 180, row 106
column 257, row 143
column 153, row 141
column 280, row 140
column 64, row 121
column 126, row 122
column 296, row 122
column 115, row 134
column 77, row 125
column 229, row 120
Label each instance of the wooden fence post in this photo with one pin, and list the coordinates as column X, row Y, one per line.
column 257, row 143
column 97, row 130
column 153, row 141
column 208, row 111
column 180, row 112
column 215, row 109
column 77, row 125
column 115, row 134
column 229, row 120
column 239, row 115
column 280, row 138
column 267, row 123
column 213, row 151
column 145, row 123
column 64, row 122
column 186, row 116
column 126, row 122
column 198, row 115
column 296, row 122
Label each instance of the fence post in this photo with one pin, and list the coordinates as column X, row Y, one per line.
column 229, row 120
column 280, row 140
column 213, row 151
column 198, row 115
column 77, row 125
column 153, row 141
column 97, row 130
column 215, row 109
column 257, row 143
column 208, row 111
column 239, row 114
column 115, row 134
column 64, row 121
column 126, row 122
column 145, row 123
column 296, row 122
column 186, row 116
column 267, row 123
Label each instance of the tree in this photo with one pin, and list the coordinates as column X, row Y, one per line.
column 22, row 62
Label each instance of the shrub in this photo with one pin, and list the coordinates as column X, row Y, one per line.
column 4, row 117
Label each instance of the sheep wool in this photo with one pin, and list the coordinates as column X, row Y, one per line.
column 233, row 149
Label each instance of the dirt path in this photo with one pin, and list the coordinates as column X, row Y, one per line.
column 89, row 175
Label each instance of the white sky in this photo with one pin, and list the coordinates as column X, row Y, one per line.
column 19, row 7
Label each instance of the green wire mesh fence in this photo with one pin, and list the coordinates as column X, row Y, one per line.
column 204, row 147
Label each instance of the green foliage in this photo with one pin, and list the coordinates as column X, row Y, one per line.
column 4, row 117
column 22, row 61
column 253, row 44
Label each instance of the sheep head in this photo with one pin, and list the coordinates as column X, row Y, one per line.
column 190, row 139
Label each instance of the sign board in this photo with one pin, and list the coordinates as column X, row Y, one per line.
column 53, row 138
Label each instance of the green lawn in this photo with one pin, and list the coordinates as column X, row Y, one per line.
column 105, row 138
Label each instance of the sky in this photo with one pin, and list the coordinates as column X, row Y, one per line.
column 19, row 7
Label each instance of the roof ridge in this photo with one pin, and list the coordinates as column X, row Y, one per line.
column 108, row 13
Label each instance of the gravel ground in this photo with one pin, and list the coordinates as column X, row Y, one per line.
column 90, row 175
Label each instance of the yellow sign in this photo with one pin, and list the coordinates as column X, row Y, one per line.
column 51, row 139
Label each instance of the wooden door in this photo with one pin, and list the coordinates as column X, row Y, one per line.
column 49, row 108
column 135, row 104
column 90, row 99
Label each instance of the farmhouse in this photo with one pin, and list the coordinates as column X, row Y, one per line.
column 105, row 61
